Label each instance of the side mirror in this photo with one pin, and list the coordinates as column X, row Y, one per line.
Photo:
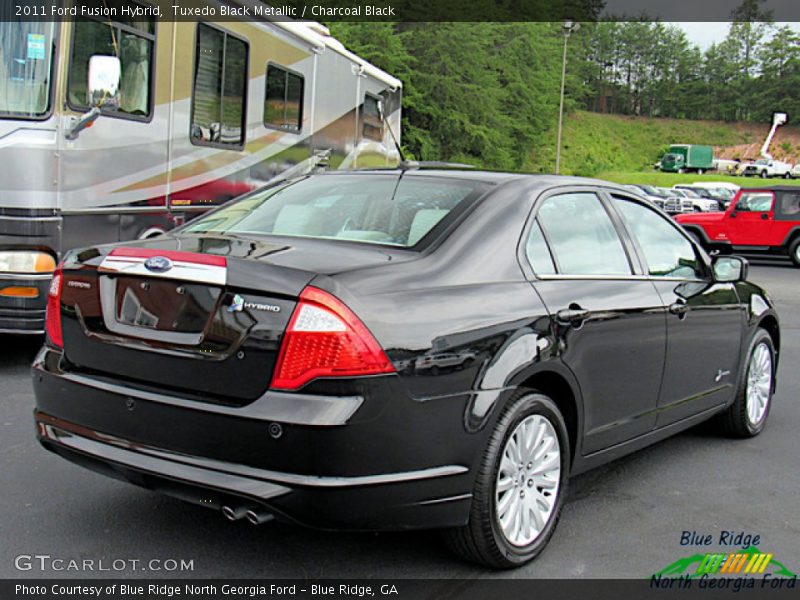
column 729, row 269
column 105, row 73
column 380, row 110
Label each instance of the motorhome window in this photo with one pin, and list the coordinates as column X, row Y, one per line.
column 372, row 128
column 283, row 99
column 220, row 88
column 26, row 61
column 134, row 43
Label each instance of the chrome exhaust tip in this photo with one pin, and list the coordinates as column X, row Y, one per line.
column 234, row 514
column 258, row 517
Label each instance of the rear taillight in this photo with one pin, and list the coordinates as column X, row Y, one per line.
column 53, row 314
column 326, row 339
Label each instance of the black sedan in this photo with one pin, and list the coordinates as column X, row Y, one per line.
column 400, row 349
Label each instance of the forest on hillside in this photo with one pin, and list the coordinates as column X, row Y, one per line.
column 485, row 93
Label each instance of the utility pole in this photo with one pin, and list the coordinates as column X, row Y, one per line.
column 568, row 27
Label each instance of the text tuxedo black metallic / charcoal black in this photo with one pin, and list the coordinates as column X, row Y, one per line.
column 400, row 349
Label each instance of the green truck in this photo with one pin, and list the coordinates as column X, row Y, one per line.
column 683, row 158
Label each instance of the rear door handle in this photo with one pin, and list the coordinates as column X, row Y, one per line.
column 574, row 315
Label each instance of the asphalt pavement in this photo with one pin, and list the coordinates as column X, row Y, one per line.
column 622, row 520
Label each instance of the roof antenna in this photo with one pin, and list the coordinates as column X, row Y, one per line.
column 404, row 164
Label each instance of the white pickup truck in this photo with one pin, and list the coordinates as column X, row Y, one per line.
column 765, row 167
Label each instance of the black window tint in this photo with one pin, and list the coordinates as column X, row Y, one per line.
column 667, row 252
column 538, row 253
column 133, row 44
column 283, row 99
column 755, row 202
column 220, row 88
column 581, row 235
column 789, row 207
column 372, row 127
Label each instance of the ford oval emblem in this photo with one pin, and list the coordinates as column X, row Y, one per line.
column 158, row 264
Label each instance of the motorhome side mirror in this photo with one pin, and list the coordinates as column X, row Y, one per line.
column 105, row 73
column 380, row 110
column 729, row 269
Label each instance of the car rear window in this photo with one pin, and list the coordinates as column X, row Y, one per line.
column 393, row 210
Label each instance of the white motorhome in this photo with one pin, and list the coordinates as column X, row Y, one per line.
column 204, row 112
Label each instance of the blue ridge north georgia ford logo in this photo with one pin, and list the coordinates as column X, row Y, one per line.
column 158, row 264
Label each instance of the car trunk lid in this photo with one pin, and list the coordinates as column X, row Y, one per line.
column 190, row 321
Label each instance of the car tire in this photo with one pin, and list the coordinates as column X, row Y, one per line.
column 764, row 175
column 700, row 171
column 794, row 252
column 787, row 175
column 748, row 414
column 681, row 171
column 485, row 539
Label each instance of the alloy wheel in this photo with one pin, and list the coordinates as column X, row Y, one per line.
column 528, row 480
column 759, row 383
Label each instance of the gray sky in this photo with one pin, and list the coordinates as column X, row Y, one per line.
column 705, row 34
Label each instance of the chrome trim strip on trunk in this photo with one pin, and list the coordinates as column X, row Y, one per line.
column 180, row 270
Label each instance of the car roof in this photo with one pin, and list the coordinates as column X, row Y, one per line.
column 543, row 180
column 777, row 188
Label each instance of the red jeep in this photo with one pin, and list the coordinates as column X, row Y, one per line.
column 757, row 221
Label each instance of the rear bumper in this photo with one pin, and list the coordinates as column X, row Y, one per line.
column 23, row 315
column 377, row 502
column 313, row 475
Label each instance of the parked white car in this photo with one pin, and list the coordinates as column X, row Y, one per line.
column 663, row 198
column 699, row 203
column 795, row 171
column 765, row 167
column 714, row 185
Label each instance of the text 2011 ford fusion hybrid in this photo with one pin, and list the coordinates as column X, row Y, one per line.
column 400, row 349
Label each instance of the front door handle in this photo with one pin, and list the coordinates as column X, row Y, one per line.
column 679, row 307
column 764, row 216
column 574, row 315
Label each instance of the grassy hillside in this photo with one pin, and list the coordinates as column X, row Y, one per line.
column 595, row 143
column 657, row 178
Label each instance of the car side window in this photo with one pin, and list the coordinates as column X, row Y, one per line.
column 583, row 239
column 538, row 253
column 789, row 207
column 667, row 252
column 757, row 202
